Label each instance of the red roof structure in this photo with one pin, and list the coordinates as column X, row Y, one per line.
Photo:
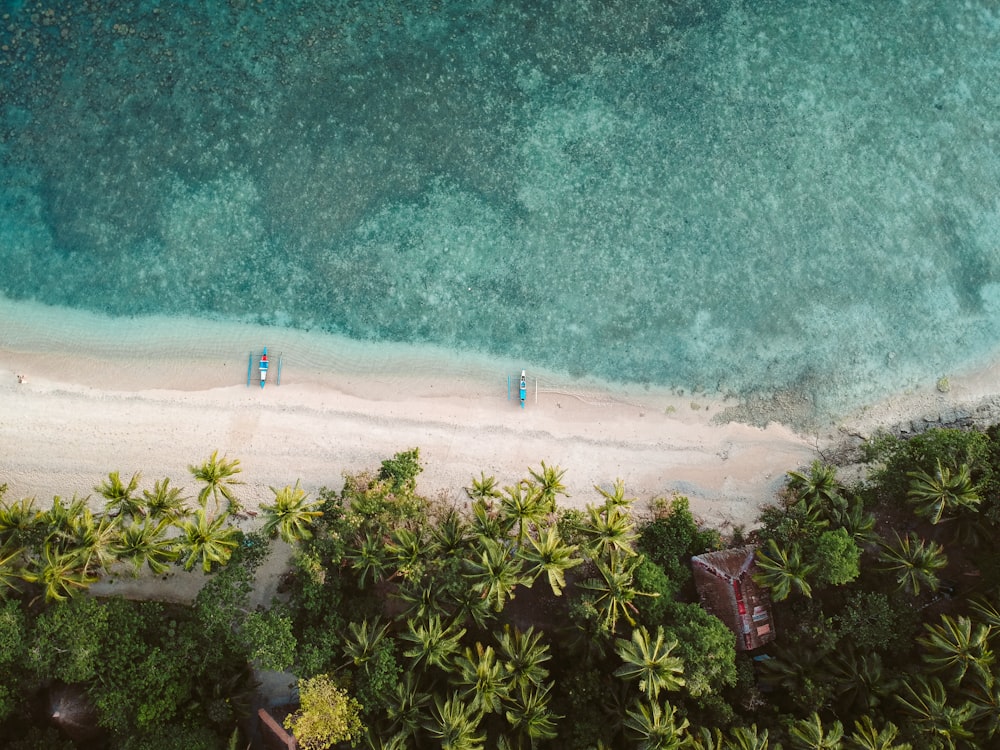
column 725, row 584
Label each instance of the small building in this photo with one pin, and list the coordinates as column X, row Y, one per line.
column 725, row 584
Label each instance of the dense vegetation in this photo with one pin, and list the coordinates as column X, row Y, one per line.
column 509, row 622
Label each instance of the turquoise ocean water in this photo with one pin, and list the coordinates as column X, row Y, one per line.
column 744, row 197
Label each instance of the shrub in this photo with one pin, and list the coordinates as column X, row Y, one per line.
column 674, row 537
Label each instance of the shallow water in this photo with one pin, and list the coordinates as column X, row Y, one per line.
column 745, row 197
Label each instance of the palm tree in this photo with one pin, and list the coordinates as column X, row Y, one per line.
column 810, row 734
column 146, row 543
column 455, row 724
column 550, row 485
column 409, row 551
column 783, row 572
column 614, row 591
column 528, row 714
column 165, row 501
column 616, row 498
column 650, row 661
column 397, row 741
column 934, row 494
column 407, row 706
column 59, row 517
column 748, row 738
column 486, row 521
column 483, row 489
column 927, row 704
column 984, row 697
column 704, row 738
column 819, row 485
column 121, row 499
column 434, row 644
column 61, row 575
column 859, row 680
column 608, row 529
column 866, row 737
column 210, row 541
column 986, row 612
column 451, row 535
column 655, row 728
column 468, row 606
column 363, row 640
column 914, row 561
column 94, row 539
column 218, row 475
column 858, row 522
column 291, row 514
column 422, row 599
column 550, row 555
column 958, row 647
column 496, row 573
column 521, row 505
column 523, row 655
column 368, row 559
column 11, row 569
column 481, row 677
column 21, row 523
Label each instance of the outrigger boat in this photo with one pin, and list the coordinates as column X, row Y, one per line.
column 523, row 387
column 263, row 364
column 263, row 367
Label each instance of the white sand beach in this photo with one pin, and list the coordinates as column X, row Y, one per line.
column 157, row 395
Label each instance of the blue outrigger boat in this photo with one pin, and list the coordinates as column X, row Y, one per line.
column 522, row 387
column 263, row 366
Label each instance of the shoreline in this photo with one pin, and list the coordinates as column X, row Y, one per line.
column 155, row 396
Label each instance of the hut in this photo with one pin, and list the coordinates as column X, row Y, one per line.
column 725, row 584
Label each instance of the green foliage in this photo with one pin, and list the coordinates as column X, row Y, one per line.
column 268, row 639
column 65, row 642
column 836, row 557
column 377, row 678
column 327, row 715
column 873, row 622
column 706, row 646
column 674, row 537
column 799, row 523
column 372, row 504
column 13, row 645
column 317, row 601
column 401, row 471
column 13, row 634
column 893, row 459
column 581, row 698
column 649, row 578
column 174, row 735
column 40, row 738
column 163, row 677
column 146, row 676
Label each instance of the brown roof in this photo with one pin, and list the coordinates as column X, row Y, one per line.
column 725, row 584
